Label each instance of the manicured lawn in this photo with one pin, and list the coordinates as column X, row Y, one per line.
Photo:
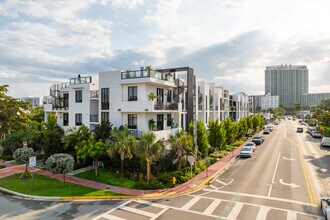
column 108, row 178
column 45, row 186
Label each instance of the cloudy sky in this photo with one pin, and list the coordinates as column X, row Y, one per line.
column 226, row 41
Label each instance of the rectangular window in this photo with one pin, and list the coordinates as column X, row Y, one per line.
column 169, row 95
column 78, row 119
column 78, row 96
column 132, row 93
column 160, row 122
column 169, row 120
column 104, row 98
column 66, row 100
column 132, row 121
column 104, row 116
column 65, row 119
column 160, row 95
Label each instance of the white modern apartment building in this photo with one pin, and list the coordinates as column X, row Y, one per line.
column 74, row 103
column 213, row 102
column 268, row 101
column 163, row 100
column 35, row 101
column 239, row 106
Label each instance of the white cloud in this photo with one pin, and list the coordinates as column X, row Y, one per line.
column 130, row 4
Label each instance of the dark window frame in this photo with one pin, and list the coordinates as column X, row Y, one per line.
column 66, row 119
column 78, row 119
column 132, row 121
column 105, row 98
column 132, row 93
column 78, row 96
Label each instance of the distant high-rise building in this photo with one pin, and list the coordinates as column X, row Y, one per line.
column 35, row 101
column 288, row 82
column 268, row 101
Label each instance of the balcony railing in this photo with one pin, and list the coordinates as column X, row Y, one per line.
column 81, row 80
column 94, row 94
column 94, row 118
column 168, row 106
column 133, row 74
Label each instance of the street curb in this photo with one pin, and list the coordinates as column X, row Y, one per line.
column 210, row 179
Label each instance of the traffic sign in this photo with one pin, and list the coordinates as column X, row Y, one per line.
column 32, row 161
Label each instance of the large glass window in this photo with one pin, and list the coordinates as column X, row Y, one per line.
column 65, row 119
column 104, row 116
column 66, row 100
column 169, row 95
column 132, row 121
column 78, row 95
column 132, row 93
column 160, row 122
column 104, row 98
column 78, row 119
column 169, row 120
column 160, row 95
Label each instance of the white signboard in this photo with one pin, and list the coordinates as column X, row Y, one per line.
column 32, row 161
column 191, row 160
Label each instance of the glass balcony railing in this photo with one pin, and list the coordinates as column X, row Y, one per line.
column 133, row 74
column 94, row 94
column 81, row 80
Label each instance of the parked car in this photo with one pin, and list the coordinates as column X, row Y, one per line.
column 266, row 131
column 300, row 130
column 258, row 140
column 325, row 207
column 325, row 142
column 246, row 152
column 310, row 130
column 251, row 144
column 316, row 134
column 269, row 127
column 276, row 122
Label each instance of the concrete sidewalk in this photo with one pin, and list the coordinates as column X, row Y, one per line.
column 193, row 184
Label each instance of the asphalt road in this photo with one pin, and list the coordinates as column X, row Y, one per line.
column 283, row 180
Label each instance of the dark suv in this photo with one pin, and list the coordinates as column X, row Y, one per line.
column 300, row 130
column 257, row 140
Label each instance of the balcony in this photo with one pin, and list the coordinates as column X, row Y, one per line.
column 133, row 74
column 167, row 106
column 94, row 118
column 159, row 134
column 81, row 80
column 94, row 94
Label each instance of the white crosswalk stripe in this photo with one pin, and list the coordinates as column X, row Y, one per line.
column 235, row 211
column 211, row 207
column 190, row 203
column 262, row 214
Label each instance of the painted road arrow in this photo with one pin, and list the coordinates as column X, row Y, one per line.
column 288, row 158
column 292, row 185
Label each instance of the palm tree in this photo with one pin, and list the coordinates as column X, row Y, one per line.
column 75, row 136
column 123, row 143
column 181, row 142
column 152, row 96
column 149, row 150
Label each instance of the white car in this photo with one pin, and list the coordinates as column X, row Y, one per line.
column 246, row 152
column 325, row 142
column 325, row 207
column 251, row 144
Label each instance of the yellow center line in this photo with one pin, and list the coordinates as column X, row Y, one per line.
column 308, row 180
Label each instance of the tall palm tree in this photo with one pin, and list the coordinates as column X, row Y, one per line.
column 75, row 136
column 123, row 143
column 149, row 149
column 181, row 142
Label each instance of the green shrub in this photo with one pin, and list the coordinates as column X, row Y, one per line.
column 154, row 184
column 219, row 154
column 2, row 166
column 238, row 143
column 6, row 157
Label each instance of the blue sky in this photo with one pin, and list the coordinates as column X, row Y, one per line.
column 226, row 41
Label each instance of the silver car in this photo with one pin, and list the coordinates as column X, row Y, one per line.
column 246, row 152
column 325, row 206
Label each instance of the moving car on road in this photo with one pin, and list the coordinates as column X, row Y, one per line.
column 246, row 152
column 325, row 206
column 316, row 134
column 251, row 144
column 266, row 131
column 325, row 142
column 300, row 130
column 258, row 140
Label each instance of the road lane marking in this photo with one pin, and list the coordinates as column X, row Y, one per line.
column 223, row 183
column 235, row 211
column 292, row 185
column 160, row 213
column 274, row 174
column 308, row 180
column 291, row 215
column 111, row 217
column 285, row 158
column 261, row 197
column 211, row 207
column 111, row 210
column 262, row 214
column 138, row 211
column 190, row 203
